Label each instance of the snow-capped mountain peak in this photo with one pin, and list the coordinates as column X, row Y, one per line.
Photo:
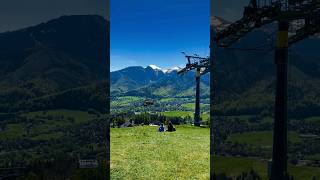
column 169, row 70
column 164, row 70
column 154, row 67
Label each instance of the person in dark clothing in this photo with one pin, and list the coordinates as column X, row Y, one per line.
column 171, row 127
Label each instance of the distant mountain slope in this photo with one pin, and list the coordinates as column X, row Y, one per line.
column 153, row 82
column 61, row 54
column 79, row 41
column 134, row 77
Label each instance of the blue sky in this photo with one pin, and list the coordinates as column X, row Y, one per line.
column 145, row 32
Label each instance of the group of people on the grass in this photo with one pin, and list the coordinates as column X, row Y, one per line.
column 170, row 128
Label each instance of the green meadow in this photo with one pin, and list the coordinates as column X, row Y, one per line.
column 143, row 153
column 260, row 138
column 191, row 106
column 178, row 113
column 233, row 166
column 204, row 115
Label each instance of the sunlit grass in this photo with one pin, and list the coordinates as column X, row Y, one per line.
column 233, row 166
column 144, row 153
column 260, row 138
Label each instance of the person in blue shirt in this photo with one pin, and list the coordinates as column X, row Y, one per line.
column 161, row 128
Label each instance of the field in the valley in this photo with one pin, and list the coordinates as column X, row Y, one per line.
column 233, row 166
column 31, row 137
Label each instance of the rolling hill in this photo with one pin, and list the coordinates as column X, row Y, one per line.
column 62, row 55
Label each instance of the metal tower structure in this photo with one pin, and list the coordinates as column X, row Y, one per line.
column 286, row 13
column 202, row 66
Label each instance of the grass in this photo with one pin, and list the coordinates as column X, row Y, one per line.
column 48, row 136
column 191, row 106
column 315, row 157
column 143, row 153
column 178, row 113
column 205, row 116
column 166, row 100
column 242, row 118
column 79, row 116
column 260, row 138
column 125, row 101
column 233, row 166
column 12, row 131
column 163, row 91
column 268, row 120
column 313, row 119
column 44, row 128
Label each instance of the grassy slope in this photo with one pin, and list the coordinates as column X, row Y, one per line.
column 314, row 119
column 12, row 131
column 46, row 130
column 260, row 138
column 191, row 106
column 164, row 100
column 125, row 100
column 177, row 113
column 79, row 116
column 143, row 153
column 233, row 166
column 205, row 116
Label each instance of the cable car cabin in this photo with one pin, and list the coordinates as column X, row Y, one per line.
column 147, row 102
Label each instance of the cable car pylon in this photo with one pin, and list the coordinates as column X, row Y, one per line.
column 255, row 16
column 201, row 66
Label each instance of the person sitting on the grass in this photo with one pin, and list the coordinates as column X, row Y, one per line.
column 161, row 128
column 170, row 127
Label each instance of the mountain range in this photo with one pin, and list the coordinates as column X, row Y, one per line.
column 152, row 81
